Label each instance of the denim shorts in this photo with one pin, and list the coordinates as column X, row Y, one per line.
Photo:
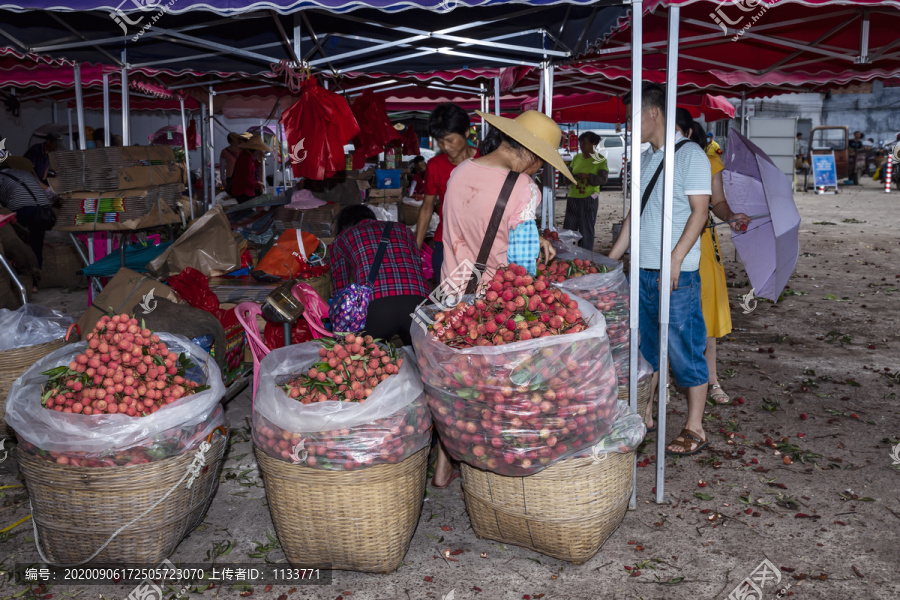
column 687, row 329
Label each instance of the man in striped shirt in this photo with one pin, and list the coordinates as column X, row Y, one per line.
column 22, row 193
column 687, row 329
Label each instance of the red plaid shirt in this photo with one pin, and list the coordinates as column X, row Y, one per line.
column 353, row 253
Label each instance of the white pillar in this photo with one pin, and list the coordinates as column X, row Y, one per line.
column 187, row 156
column 79, row 107
column 107, row 134
column 637, row 69
column 665, row 269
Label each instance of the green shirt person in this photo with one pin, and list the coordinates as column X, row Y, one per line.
column 591, row 171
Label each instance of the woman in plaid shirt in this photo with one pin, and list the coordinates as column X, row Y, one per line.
column 400, row 285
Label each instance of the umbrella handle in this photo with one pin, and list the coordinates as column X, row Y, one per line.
column 733, row 220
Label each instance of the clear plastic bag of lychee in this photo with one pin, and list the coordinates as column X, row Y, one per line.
column 608, row 293
column 389, row 426
column 627, row 433
column 102, row 440
column 517, row 408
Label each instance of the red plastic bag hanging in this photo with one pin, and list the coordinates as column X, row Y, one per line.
column 317, row 127
column 410, row 142
column 376, row 129
column 192, row 135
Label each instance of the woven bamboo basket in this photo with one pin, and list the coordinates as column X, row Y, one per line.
column 13, row 363
column 322, row 285
column 409, row 214
column 77, row 509
column 353, row 520
column 643, row 390
column 566, row 511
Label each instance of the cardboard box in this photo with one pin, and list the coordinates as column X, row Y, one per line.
column 392, row 195
column 123, row 291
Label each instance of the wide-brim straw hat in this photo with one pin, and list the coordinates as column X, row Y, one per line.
column 255, row 143
column 537, row 132
column 236, row 138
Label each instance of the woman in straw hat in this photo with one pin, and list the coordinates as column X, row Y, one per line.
column 246, row 182
column 228, row 157
column 519, row 145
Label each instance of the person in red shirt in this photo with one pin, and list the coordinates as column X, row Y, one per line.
column 246, row 180
column 449, row 126
column 417, row 174
column 399, row 284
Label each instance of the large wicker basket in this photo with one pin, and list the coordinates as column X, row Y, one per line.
column 409, row 214
column 13, row 363
column 77, row 509
column 643, row 389
column 566, row 511
column 322, row 285
column 353, row 520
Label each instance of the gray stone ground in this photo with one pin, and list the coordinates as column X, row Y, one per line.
column 823, row 353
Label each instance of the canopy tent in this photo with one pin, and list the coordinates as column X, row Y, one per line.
column 610, row 109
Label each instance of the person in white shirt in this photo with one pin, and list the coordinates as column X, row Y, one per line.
column 687, row 329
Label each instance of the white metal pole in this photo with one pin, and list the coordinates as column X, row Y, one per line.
column 549, row 178
column 637, row 66
column 71, row 131
column 484, row 110
column 54, row 112
column 187, row 157
column 204, row 156
column 665, row 270
column 126, row 116
column 743, row 115
column 107, row 134
column 79, row 107
column 211, row 142
column 497, row 96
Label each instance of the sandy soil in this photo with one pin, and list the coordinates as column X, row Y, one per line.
column 817, row 372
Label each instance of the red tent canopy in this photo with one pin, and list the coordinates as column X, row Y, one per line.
column 610, row 109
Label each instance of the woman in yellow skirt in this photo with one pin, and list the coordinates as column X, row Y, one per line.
column 713, row 290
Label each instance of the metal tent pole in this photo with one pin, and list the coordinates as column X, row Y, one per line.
column 107, row 134
column 71, row 131
column 187, row 157
column 549, row 178
column 79, row 107
column 665, row 271
column 262, row 130
column 637, row 69
column 54, row 112
column 126, row 117
column 497, row 96
column 484, row 110
column 211, row 142
column 204, row 157
column 743, row 116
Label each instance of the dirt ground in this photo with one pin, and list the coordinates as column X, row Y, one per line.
column 818, row 374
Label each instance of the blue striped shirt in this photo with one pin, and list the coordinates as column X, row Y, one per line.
column 693, row 177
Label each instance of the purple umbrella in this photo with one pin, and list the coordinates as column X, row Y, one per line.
column 755, row 186
column 171, row 135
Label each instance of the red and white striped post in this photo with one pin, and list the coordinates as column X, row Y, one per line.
column 887, row 172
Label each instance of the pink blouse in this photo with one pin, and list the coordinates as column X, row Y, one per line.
column 471, row 195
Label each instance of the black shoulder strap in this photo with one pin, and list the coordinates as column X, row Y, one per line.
column 493, row 226
column 23, row 184
column 379, row 254
column 656, row 175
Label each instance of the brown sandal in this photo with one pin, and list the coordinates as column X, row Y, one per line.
column 690, row 441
